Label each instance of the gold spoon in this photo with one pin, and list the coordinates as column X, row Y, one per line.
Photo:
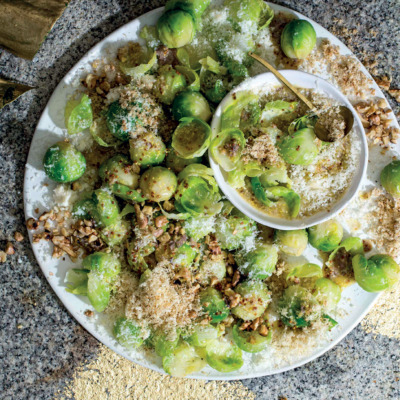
column 320, row 131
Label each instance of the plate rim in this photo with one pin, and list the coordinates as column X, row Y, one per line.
column 79, row 317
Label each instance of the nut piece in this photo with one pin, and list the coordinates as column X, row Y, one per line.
column 161, row 221
column 235, row 278
column 89, row 313
column 3, row 257
column 263, row 330
column 9, row 249
column 32, row 224
column 18, row 237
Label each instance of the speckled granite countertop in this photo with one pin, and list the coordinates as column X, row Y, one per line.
column 40, row 344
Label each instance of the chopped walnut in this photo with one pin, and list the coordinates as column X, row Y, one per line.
column 263, row 330
column 18, row 237
column 9, row 249
column 161, row 221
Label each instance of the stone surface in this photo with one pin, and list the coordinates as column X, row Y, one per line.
column 40, row 344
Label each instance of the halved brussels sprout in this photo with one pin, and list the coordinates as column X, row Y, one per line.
column 327, row 293
column 63, row 163
column 390, row 178
column 183, row 361
column 78, row 114
column 325, row 236
column 128, row 333
column 250, row 341
column 232, row 232
column 135, row 256
column 104, row 269
column 292, row 242
column 299, row 148
column 223, row 355
column 291, row 198
column 198, row 227
column 214, row 305
column 298, row 39
column 191, row 138
column 120, row 122
column 176, row 28
column 115, row 233
column 275, row 175
column 164, row 346
column 298, row 307
column 168, row 84
column 118, row 169
column 232, row 113
column 146, row 150
column 184, row 256
column 202, row 334
column 77, row 279
column 177, row 164
column 102, row 135
column 258, row 263
column 379, row 272
column 158, row 184
column 195, row 8
column 276, row 108
column 212, row 268
column 308, row 270
column 191, row 104
column 226, row 148
column 254, row 300
column 105, row 211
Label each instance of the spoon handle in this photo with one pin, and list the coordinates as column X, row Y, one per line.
column 283, row 80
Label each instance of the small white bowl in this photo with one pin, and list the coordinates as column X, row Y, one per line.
column 303, row 80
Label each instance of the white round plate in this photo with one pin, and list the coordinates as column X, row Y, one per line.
column 262, row 84
column 38, row 194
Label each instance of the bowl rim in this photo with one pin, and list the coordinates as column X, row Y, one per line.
column 298, row 78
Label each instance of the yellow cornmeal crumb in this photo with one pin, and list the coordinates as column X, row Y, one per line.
column 111, row 376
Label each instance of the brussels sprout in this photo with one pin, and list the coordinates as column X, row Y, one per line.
column 214, row 304
column 216, row 92
column 176, row 28
column 195, row 8
column 299, row 148
column 63, row 163
column 258, row 263
column 197, row 197
column 83, row 209
column 104, row 269
column 232, row 113
column 291, row 198
column 202, row 335
column 105, row 211
column 308, row 270
column 184, row 256
column 118, row 169
column 378, row 273
column 115, row 233
column 78, row 114
column 191, row 104
column 232, row 232
column 120, row 122
column 183, row 361
column 275, row 176
column 164, row 346
column 325, row 236
column 254, row 300
column 177, row 164
column 226, row 148
column 158, row 184
column 250, row 341
column 277, row 108
column 327, row 293
column 390, row 178
column 223, row 355
column 212, row 268
column 191, row 138
column 292, row 242
column 135, row 256
column 198, row 227
column 147, row 150
column 78, row 281
column 128, row 333
column 298, row 39
column 168, row 84
column 298, row 307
